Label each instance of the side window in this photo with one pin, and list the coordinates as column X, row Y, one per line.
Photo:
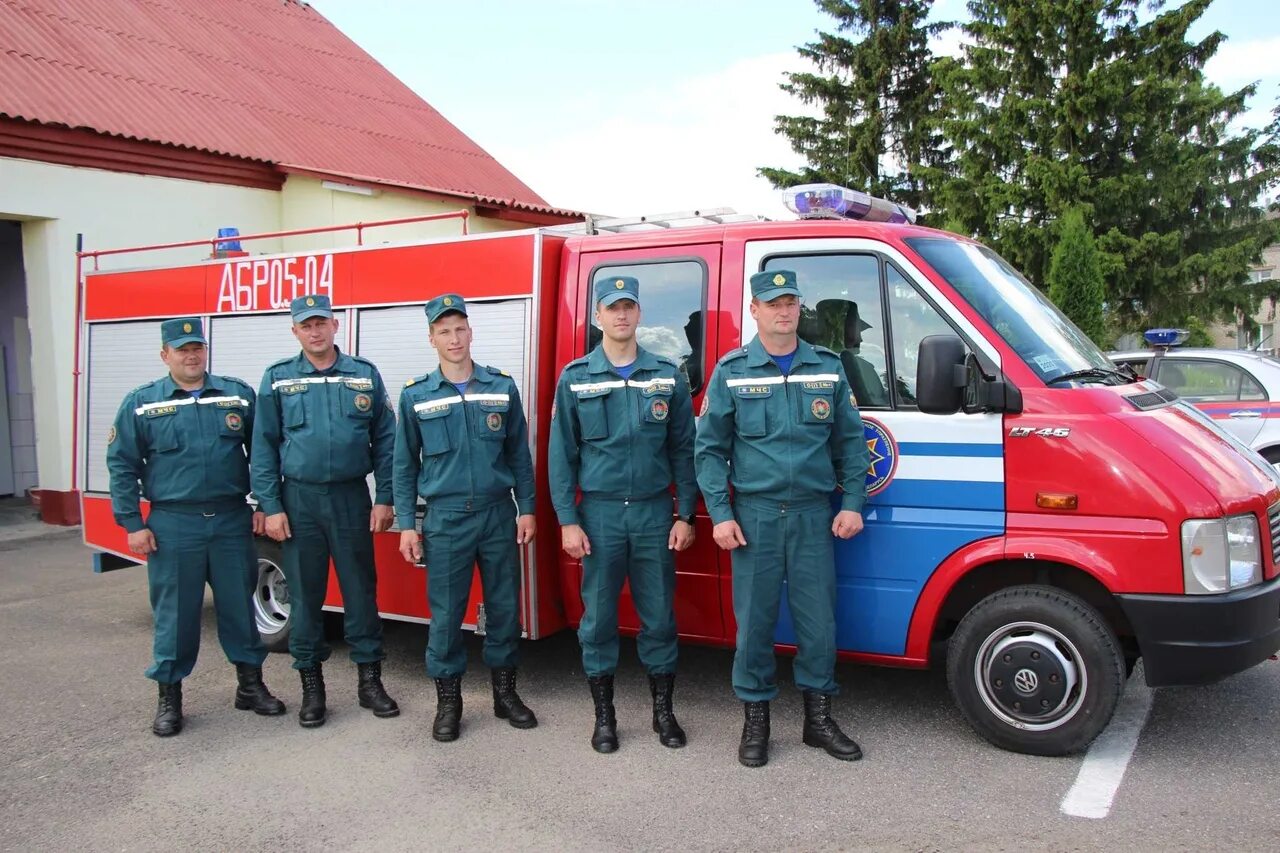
column 672, row 311
column 1250, row 389
column 842, row 310
column 1202, row 381
column 913, row 319
column 1140, row 366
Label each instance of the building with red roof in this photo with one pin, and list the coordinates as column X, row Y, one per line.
column 126, row 122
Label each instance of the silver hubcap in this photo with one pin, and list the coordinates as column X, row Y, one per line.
column 1030, row 676
column 270, row 599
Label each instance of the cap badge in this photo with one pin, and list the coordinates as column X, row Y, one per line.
column 310, row 302
column 779, row 279
column 619, row 284
column 186, row 327
column 448, row 300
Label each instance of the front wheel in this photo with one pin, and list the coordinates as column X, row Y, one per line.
column 1036, row 670
column 271, row 598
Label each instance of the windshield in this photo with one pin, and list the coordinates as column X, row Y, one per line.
column 1027, row 321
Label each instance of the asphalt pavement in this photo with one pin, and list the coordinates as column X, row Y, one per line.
column 80, row 770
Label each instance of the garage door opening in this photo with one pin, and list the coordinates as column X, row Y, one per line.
column 17, row 407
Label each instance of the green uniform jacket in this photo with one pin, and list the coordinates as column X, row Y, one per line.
column 322, row 427
column 453, row 447
column 182, row 449
column 787, row 438
column 623, row 438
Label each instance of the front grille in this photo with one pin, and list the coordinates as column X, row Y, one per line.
column 1273, row 517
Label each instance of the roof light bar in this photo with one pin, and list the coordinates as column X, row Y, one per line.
column 829, row 201
column 1166, row 337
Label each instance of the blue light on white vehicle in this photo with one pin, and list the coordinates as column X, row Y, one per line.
column 829, row 201
column 1166, row 337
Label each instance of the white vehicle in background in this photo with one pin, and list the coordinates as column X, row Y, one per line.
column 1239, row 389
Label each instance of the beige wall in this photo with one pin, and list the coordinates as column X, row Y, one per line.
column 114, row 209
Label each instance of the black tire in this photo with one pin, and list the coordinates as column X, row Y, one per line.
column 271, row 597
column 1035, row 670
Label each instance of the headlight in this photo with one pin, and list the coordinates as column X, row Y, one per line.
column 1221, row 554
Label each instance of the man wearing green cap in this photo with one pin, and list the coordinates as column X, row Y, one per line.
column 462, row 443
column 622, row 433
column 323, row 424
column 781, row 426
column 184, row 438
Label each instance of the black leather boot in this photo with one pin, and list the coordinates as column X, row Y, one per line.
column 252, row 694
column 312, row 712
column 448, row 724
column 753, row 751
column 371, row 692
column 168, row 719
column 821, row 731
column 664, row 718
column 604, row 738
column 506, row 702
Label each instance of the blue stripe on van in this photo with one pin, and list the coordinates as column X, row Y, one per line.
column 940, row 448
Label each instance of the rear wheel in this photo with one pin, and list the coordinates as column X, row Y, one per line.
column 1036, row 670
column 271, row 598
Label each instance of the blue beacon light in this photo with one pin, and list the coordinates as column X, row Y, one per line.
column 1165, row 337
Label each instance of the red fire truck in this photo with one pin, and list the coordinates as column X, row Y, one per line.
column 1051, row 519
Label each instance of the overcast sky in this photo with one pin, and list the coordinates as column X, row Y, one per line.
column 626, row 107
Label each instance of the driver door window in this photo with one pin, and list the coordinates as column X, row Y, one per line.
column 841, row 309
column 913, row 319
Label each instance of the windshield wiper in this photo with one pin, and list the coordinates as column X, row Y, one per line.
column 1092, row 373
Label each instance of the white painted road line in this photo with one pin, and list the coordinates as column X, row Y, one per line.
column 1105, row 762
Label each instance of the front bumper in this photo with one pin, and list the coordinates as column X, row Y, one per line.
column 1198, row 639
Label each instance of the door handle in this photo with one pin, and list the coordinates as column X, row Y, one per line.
column 1245, row 413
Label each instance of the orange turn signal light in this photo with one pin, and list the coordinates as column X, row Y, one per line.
column 1056, row 500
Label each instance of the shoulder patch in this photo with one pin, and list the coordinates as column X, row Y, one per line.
column 583, row 360
column 823, row 350
column 280, row 362
column 416, row 379
column 363, row 360
column 237, row 380
column 732, row 355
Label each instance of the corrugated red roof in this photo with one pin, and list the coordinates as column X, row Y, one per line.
column 269, row 80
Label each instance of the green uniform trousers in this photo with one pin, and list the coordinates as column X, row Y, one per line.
column 457, row 537
column 330, row 520
column 193, row 549
column 784, row 542
column 628, row 542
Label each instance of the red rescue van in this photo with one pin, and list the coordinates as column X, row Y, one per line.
column 1049, row 518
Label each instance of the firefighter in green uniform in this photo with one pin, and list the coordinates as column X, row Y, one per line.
column 324, row 422
column 185, row 437
column 462, row 443
column 781, row 426
column 622, row 432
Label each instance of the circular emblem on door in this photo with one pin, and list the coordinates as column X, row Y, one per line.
column 234, row 421
column 493, row 421
column 883, row 452
column 363, row 402
column 659, row 410
column 821, row 408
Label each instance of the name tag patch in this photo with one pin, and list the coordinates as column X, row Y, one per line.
column 754, row 390
column 159, row 411
column 296, row 388
column 359, row 384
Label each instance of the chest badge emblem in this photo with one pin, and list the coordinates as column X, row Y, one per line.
column 821, row 409
column 659, row 410
column 493, row 421
column 363, row 402
column 234, row 421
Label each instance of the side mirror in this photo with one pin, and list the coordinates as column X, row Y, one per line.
column 941, row 376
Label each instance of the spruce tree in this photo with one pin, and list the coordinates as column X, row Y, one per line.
column 1076, row 284
column 876, row 98
column 1064, row 103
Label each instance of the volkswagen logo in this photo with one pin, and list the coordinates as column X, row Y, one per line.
column 1026, row 681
